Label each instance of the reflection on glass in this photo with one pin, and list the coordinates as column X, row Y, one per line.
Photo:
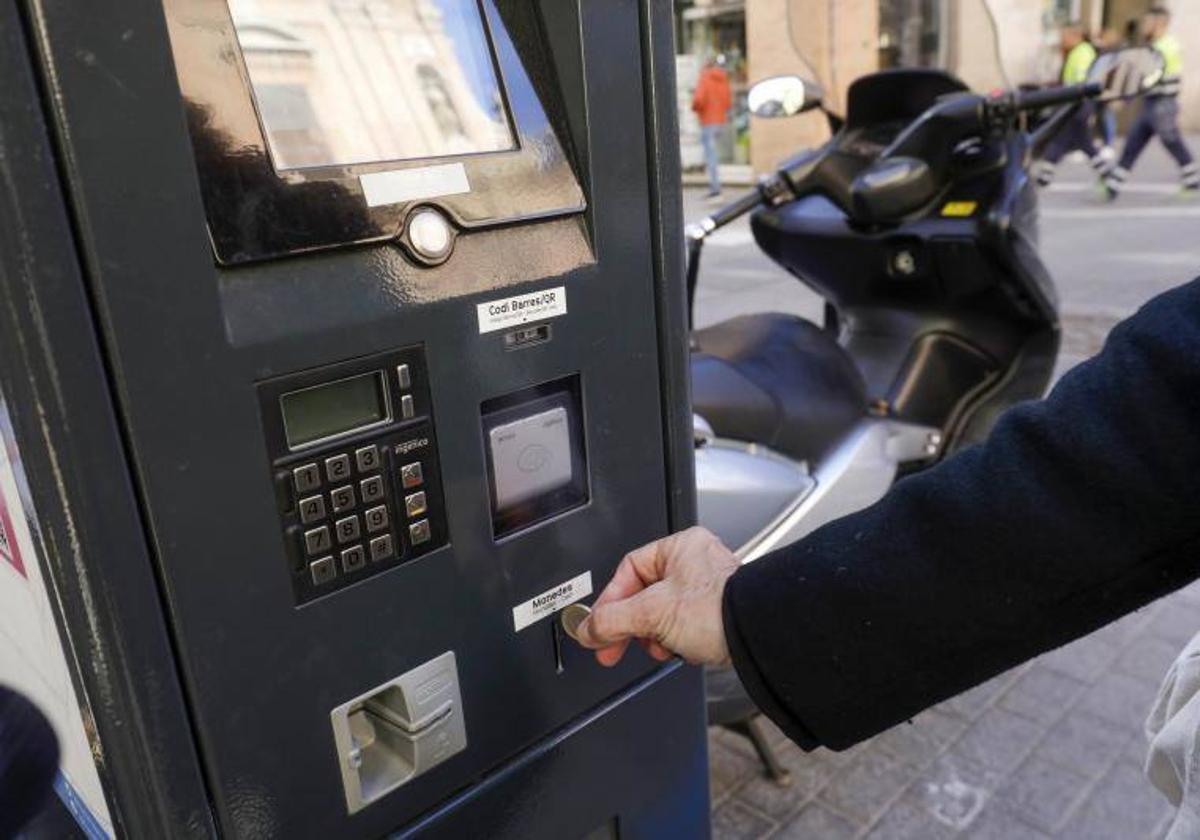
column 339, row 82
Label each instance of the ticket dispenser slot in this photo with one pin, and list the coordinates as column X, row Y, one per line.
column 399, row 730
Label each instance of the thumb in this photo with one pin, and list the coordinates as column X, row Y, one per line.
column 616, row 621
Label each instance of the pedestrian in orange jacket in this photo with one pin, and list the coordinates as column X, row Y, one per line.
column 711, row 102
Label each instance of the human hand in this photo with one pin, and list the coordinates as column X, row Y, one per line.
column 667, row 595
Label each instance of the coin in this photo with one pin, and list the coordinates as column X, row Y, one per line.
column 571, row 617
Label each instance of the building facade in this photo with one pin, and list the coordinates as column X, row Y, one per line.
column 836, row 41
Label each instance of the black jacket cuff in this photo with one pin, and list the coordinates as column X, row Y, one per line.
column 756, row 687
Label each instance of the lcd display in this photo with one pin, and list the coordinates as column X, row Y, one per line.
column 334, row 409
column 340, row 83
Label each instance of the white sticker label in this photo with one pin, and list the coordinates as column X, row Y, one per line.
column 551, row 601
column 401, row 185
column 521, row 309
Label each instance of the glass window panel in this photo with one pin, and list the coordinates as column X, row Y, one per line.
column 340, row 82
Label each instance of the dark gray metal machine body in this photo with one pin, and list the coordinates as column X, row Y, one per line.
column 143, row 375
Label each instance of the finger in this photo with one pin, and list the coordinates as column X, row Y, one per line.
column 616, row 621
column 658, row 651
column 612, row 654
column 637, row 570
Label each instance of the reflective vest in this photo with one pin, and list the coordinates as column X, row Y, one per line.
column 1168, row 47
column 1078, row 62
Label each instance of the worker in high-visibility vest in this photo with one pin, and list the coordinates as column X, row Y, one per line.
column 1160, row 111
column 1077, row 134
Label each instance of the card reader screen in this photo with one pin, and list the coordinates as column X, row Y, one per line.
column 333, row 409
column 340, row 83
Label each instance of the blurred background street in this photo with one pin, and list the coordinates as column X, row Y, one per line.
column 1053, row 748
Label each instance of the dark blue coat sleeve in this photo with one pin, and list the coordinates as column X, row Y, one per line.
column 1078, row 509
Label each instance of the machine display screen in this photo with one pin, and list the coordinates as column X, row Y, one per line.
column 339, row 83
column 336, row 408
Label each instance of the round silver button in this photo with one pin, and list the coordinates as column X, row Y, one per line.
column 430, row 234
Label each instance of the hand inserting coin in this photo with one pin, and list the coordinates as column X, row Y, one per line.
column 571, row 617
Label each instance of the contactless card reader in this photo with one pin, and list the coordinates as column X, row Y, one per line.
column 536, row 454
column 531, row 456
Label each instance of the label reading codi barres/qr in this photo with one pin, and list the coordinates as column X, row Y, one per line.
column 514, row 311
column 551, row 601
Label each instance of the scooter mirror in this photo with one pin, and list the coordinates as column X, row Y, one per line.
column 1127, row 73
column 784, row 96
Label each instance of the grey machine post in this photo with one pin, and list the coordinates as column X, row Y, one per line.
column 342, row 345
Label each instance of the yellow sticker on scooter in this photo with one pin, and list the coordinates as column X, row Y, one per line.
column 959, row 209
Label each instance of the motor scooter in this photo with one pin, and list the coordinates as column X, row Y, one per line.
column 917, row 225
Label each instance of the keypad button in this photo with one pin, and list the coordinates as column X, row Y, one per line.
column 322, row 570
column 382, row 548
column 306, row 478
column 418, row 532
column 353, row 559
column 312, row 509
column 372, row 489
column 411, row 475
column 317, row 540
column 377, row 519
column 338, row 467
column 403, row 377
column 342, row 498
column 367, row 458
column 348, row 529
column 408, row 408
column 414, row 505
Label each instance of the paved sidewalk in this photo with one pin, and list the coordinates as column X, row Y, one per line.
column 1053, row 748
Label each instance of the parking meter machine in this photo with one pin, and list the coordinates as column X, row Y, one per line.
column 342, row 346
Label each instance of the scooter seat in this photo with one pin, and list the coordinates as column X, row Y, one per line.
column 777, row 380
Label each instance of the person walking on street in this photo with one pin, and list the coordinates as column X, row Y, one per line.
column 711, row 102
column 1106, row 116
column 1160, row 112
column 1079, row 55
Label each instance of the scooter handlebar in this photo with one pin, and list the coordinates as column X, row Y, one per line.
column 739, row 206
column 1052, row 97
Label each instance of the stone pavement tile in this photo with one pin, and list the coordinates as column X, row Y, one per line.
column 975, row 701
column 922, row 739
column 1176, row 621
column 1041, row 694
column 1120, row 632
column 1136, row 749
column 908, row 819
column 1189, row 594
column 727, row 768
column 809, row 772
column 998, row 741
column 772, row 799
column 1083, row 659
column 1120, row 699
column 816, row 822
column 1148, row 658
column 1082, row 741
column 734, row 821
column 1122, row 806
column 999, row 821
column 1044, row 794
column 954, row 791
column 864, row 789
